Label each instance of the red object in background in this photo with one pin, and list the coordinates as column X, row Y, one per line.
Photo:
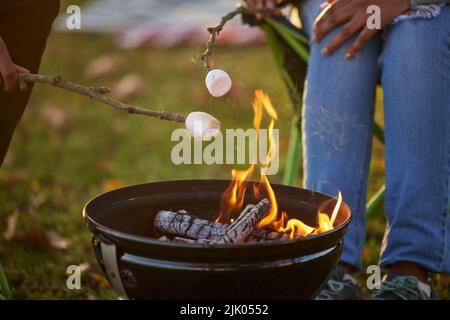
column 162, row 24
column 171, row 36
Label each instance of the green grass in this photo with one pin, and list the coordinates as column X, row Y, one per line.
column 98, row 147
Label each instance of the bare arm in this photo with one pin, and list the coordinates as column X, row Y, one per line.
column 8, row 70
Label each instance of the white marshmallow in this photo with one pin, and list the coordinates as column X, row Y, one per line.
column 218, row 82
column 202, row 125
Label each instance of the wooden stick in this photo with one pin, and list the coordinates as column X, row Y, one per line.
column 97, row 93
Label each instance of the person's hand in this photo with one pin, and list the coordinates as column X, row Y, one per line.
column 8, row 70
column 353, row 14
column 269, row 6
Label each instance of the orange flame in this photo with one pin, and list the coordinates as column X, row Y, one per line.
column 258, row 114
column 232, row 200
column 264, row 100
column 272, row 216
column 325, row 223
column 294, row 227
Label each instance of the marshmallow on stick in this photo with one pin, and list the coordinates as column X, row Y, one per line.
column 202, row 125
column 218, row 82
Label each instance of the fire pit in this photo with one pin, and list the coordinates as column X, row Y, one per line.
column 139, row 266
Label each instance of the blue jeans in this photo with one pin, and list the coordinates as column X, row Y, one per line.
column 413, row 61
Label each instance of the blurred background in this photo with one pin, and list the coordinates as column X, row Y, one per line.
column 68, row 148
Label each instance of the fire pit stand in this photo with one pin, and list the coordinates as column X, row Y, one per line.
column 139, row 266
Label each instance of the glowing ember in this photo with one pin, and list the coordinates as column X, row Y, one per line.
column 232, row 199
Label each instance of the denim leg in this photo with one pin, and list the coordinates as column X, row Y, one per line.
column 337, row 123
column 415, row 66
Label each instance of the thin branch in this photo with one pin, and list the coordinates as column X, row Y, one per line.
column 97, row 93
column 213, row 33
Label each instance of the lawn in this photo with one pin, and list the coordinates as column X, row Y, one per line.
column 69, row 148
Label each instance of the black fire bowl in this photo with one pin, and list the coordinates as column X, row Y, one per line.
column 138, row 266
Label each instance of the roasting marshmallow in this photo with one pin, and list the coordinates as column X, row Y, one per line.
column 218, row 82
column 202, row 125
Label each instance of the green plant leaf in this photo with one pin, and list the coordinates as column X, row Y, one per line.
column 294, row 156
column 5, row 292
column 291, row 37
column 282, row 28
column 278, row 54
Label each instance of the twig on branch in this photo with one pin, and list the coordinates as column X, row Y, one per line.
column 214, row 31
column 97, row 93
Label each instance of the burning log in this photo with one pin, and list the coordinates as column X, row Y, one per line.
column 184, row 225
column 256, row 236
column 246, row 223
column 243, row 212
column 185, row 240
column 266, row 235
column 188, row 228
column 176, row 239
column 262, row 234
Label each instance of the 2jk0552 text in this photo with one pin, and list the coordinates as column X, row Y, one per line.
column 230, row 310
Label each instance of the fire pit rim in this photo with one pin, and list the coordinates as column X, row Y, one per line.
column 153, row 241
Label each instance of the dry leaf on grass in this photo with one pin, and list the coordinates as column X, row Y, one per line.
column 131, row 85
column 105, row 165
column 105, row 65
column 35, row 235
column 85, row 266
column 99, row 278
column 111, row 184
column 11, row 225
column 56, row 241
column 35, row 202
column 54, row 116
